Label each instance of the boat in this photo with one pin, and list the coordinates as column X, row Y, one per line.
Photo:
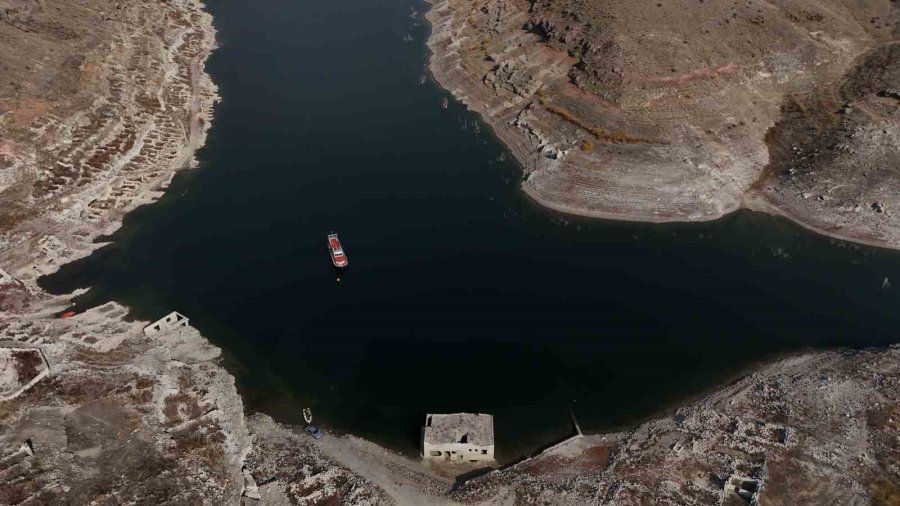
column 338, row 258
column 445, row 103
column 307, row 415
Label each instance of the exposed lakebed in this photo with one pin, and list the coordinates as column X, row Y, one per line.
column 461, row 294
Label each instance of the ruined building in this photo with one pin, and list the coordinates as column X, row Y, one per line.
column 458, row 437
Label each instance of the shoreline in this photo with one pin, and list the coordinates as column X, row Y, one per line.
column 185, row 418
column 527, row 150
column 101, row 365
column 602, row 215
column 761, row 205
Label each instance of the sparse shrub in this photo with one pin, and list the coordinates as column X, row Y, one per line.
column 181, row 407
column 599, row 132
column 884, row 493
column 145, row 382
column 28, row 364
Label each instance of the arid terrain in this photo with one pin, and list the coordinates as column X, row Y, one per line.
column 101, row 102
column 814, row 429
column 687, row 110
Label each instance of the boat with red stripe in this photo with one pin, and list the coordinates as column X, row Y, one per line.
column 338, row 257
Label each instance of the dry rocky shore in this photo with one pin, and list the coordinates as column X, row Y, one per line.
column 102, row 101
column 686, row 110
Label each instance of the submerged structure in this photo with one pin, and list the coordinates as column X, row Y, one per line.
column 167, row 323
column 458, row 437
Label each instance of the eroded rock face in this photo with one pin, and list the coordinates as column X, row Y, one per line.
column 667, row 110
column 835, row 162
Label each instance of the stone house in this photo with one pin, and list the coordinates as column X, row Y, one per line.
column 458, row 437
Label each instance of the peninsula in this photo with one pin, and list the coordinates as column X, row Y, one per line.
column 686, row 110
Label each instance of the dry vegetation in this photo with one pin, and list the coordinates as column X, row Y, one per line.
column 600, row 133
column 28, row 364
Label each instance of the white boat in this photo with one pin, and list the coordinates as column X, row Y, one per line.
column 307, row 415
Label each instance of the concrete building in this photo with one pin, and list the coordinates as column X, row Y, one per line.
column 167, row 323
column 458, row 437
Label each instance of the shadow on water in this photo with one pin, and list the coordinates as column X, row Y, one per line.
column 462, row 294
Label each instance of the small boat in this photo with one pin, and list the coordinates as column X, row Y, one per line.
column 307, row 415
column 338, row 258
column 445, row 103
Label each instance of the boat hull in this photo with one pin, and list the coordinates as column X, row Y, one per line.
column 338, row 257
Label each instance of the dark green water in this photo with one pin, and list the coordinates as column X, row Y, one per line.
column 461, row 294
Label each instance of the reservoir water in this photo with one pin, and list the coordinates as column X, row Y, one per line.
column 461, row 295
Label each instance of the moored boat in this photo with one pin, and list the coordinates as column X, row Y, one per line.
column 338, row 257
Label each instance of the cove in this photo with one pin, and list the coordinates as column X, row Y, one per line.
column 462, row 295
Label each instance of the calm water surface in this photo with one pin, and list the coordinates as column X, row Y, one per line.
column 461, row 294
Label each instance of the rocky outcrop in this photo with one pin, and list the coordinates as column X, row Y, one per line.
column 834, row 163
column 674, row 111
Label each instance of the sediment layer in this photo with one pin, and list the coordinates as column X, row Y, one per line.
column 684, row 112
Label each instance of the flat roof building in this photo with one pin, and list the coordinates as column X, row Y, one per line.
column 458, row 437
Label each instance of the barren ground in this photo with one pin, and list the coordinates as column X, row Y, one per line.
column 100, row 103
column 685, row 110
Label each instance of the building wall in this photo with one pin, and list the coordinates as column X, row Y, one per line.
column 458, row 452
column 167, row 323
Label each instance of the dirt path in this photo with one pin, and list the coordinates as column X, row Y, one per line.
column 406, row 481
